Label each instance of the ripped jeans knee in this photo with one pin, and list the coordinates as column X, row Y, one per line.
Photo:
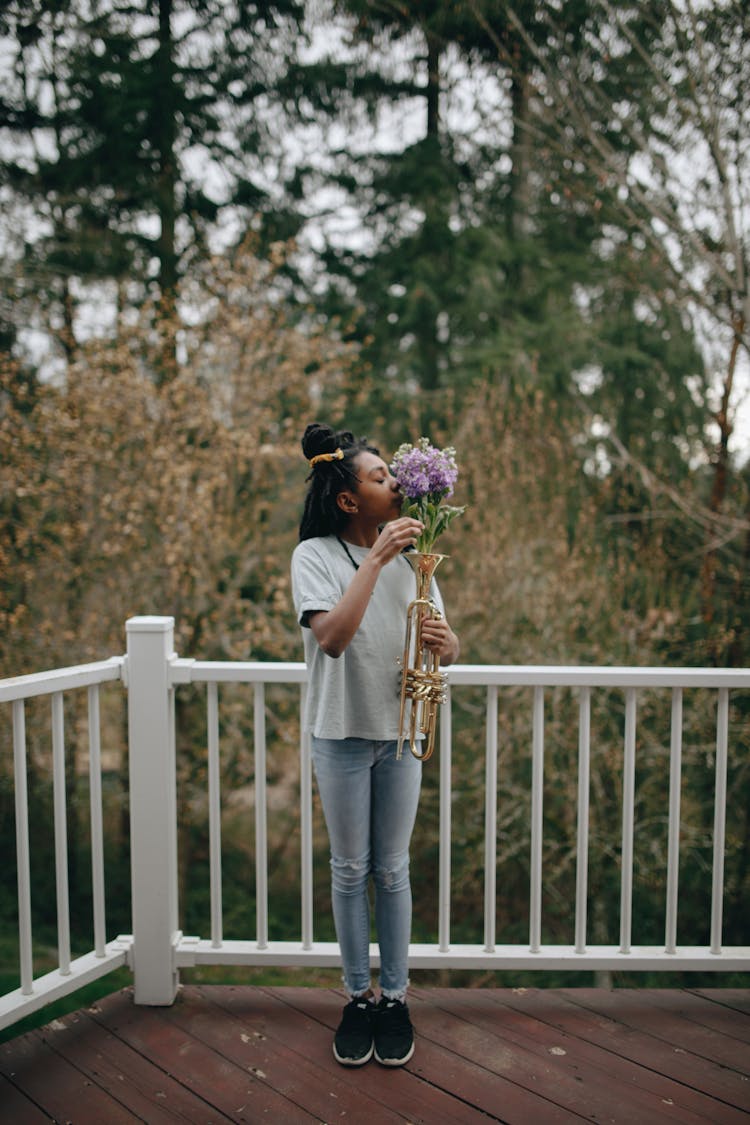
column 349, row 876
column 392, row 876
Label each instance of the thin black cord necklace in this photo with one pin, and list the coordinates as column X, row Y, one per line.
column 349, row 554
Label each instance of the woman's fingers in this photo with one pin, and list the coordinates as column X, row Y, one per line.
column 434, row 632
column 398, row 534
column 405, row 525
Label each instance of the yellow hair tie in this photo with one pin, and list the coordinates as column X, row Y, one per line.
column 336, row 456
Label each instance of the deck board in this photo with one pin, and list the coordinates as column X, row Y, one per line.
column 570, row 1071
column 699, row 1058
column 226, row 1053
column 622, row 1028
column 16, row 1107
column 115, row 1065
column 58, row 1087
column 168, row 1038
column 677, row 1078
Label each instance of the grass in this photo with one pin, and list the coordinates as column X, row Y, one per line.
column 83, row 998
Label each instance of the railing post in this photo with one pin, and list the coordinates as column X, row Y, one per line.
column 153, row 808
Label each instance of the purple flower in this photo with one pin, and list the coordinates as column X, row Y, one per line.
column 422, row 470
column 427, row 477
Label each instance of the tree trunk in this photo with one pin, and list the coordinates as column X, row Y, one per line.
column 719, row 488
column 164, row 121
column 67, row 335
column 519, row 200
column 433, row 87
column 435, row 222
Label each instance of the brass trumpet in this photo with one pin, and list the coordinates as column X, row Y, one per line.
column 424, row 685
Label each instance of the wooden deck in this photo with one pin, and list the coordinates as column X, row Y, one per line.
column 249, row 1054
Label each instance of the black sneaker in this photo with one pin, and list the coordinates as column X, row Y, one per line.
column 394, row 1035
column 352, row 1044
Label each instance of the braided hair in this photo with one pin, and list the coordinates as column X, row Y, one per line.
column 322, row 515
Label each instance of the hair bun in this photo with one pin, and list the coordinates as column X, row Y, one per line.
column 318, row 438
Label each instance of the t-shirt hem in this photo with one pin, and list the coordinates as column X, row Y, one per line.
column 370, row 736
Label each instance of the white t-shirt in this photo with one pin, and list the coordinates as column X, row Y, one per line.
column 356, row 695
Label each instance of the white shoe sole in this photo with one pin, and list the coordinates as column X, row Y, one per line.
column 353, row 1062
column 395, row 1062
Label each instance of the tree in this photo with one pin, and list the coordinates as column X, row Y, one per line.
column 652, row 106
column 133, row 126
column 477, row 248
column 184, row 485
column 409, row 172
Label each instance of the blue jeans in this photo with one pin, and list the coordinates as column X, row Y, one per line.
column 370, row 803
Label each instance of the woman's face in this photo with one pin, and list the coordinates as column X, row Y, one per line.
column 378, row 495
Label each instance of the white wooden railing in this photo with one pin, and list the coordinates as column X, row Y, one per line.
column 105, row 956
column 156, row 949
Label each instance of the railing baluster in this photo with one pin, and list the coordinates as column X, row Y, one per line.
column 444, row 863
column 214, row 815
column 720, row 818
column 537, row 795
column 97, row 831
column 628, row 816
column 61, row 834
column 673, row 847
column 582, row 843
column 306, row 837
column 490, row 822
column 22, row 847
column 261, row 828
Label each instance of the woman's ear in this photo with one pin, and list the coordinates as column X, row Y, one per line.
column 347, row 502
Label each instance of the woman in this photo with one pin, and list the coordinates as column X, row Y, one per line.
column 351, row 592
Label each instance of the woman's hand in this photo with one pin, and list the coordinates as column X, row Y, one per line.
column 395, row 537
column 439, row 638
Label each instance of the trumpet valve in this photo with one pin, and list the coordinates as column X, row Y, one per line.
column 426, row 687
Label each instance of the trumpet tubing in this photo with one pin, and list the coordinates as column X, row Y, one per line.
column 423, row 685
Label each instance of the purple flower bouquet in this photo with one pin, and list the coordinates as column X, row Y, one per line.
column 427, row 476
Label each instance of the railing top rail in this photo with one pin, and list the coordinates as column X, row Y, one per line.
column 501, row 675
column 61, row 679
column 549, row 675
column 236, row 671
